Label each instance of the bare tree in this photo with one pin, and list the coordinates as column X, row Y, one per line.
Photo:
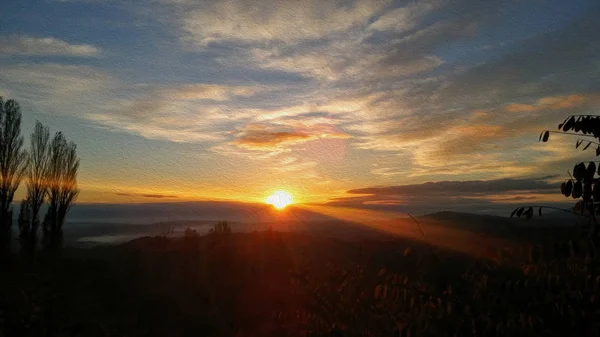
column 37, row 173
column 13, row 160
column 63, row 165
column 27, row 238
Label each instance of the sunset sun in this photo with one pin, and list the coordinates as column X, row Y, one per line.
column 279, row 199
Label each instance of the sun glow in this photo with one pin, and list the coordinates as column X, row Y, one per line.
column 280, row 199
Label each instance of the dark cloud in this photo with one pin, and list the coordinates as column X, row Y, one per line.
column 497, row 196
column 465, row 188
column 158, row 196
column 154, row 196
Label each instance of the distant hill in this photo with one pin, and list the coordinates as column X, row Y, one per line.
column 553, row 218
column 119, row 223
column 550, row 224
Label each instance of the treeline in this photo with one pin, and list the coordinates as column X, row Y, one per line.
column 49, row 169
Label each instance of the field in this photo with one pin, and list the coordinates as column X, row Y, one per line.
column 273, row 283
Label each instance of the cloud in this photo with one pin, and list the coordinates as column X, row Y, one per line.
column 153, row 196
column 5, row 93
column 496, row 196
column 207, row 92
column 296, row 167
column 283, row 21
column 268, row 139
column 59, row 89
column 263, row 137
column 172, row 113
column 404, row 18
column 48, row 46
column 560, row 62
column 466, row 188
column 408, row 88
column 554, row 103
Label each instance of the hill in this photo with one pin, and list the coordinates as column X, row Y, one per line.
column 270, row 283
column 550, row 225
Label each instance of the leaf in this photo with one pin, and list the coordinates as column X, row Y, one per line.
column 577, row 172
column 529, row 213
column 579, row 141
column 577, row 124
column 569, row 124
column 591, row 170
column 546, row 136
column 588, row 145
column 596, row 192
column 520, row 211
column 513, row 212
column 582, row 171
column 587, row 191
column 569, row 188
column 577, row 190
column 540, row 211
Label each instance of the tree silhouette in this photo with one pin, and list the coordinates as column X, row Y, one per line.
column 221, row 227
column 27, row 237
column 13, row 162
column 63, row 165
column 37, row 181
column 582, row 184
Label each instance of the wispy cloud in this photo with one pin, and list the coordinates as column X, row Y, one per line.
column 283, row 21
column 468, row 188
column 207, row 92
column 46, row 46
column 408, row 89
column 468, row 195
column 406, row 17
column 152, row 196
column 263, row 137
column 554, row 103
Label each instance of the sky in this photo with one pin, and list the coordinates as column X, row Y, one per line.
column 348, row 102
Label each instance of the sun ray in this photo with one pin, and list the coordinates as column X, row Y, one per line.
column 436, row 233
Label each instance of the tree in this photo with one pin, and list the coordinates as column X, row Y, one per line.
column 24, row 220
column 13, row 161
column 221, row 227
column 37, row 177
column 63, row 165
column 27, row 239
column 582, row 184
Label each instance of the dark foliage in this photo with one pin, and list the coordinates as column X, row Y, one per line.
column 291, row 284
column 583, row 183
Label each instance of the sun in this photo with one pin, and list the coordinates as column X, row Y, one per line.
column 280, row 199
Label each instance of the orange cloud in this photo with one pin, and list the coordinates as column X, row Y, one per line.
column 552, row 103
column 270, row 139
column 262, row 137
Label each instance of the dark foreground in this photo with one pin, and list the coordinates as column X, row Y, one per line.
column 283, row 284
